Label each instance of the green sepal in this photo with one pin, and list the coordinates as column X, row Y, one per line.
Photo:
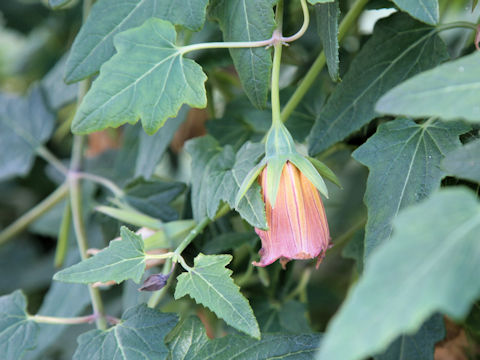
column 279, row 142
column 306, row 167
column 325, row 171
column 274, row 173
column 248, row 181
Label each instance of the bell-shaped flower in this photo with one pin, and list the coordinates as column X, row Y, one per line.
column 298, row 227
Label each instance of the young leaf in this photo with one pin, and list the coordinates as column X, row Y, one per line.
column 189, row 342
column 153, row 197
column 448, row 91
column 412, row 276
column 463, row 162
column 25, row 124
column 17, row 333
column 404, row 161
column 242, row 20
column 327, row 28
column 219, row 174
column 94, row 43
column 398, row 42
column 139, row 335
column 418, row 346
column 123, row 259
column 210, row 284
column 148, row 78
column 423, row 10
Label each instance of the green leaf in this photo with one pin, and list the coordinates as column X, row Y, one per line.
column 140, row 335
column 286, row 318
column 153, row 197
column 243, row 20
column 57, row 93
column 210, row 284
column 313, row 2
column 219, row 174
column 148, row 78
column 448, row 91
column 423, row 10
column 17, row 333
column 398, row 43
column 418, row 346
column 151, row 148
column 189, row 342
column 411, row 276
column 187, row 339
column 25, row 124
column 463, row 162
column 94, row 43
column 122, row 259
column 327, row 27
column 404, row 162
column 228, row 241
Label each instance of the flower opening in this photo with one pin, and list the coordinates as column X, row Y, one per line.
column 298, row 227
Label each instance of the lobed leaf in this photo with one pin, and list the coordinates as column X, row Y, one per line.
column 399, row 48
column 404, row 162
column 148, row 78
column 210, row 284
column 17, row 333
column 139, row 335
column 122, row 259
column 412, row 276
column 94, row 43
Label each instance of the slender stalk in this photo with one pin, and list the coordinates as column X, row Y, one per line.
column 277, row 59
column 456, row 25
column 303, row 29
column 159, row 256
column 102, row 181
column 76, row 198
column 51, row 159
column 62, row 320
column 319, row 63
column 33, row 214
column 192, row 235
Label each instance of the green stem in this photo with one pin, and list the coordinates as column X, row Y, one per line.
column 302, row 285
column 63, row 233
column 159, row 256
column 303, row 29
column 51, row 159
column 76, row 198
column 102, row 181
column 277, row 60
column 61, row 320
column 192, row 235
column 319, row 63
column 33, row 214
column 456, row 25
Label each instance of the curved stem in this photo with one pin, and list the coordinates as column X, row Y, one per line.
column 102, row 181
column 319, row 63
column 43, row 152
column 306, row 22
column 457, row 24
column 33, row 214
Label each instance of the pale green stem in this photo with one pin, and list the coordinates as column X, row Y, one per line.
column 76, row 198
column 302, row 285
column 457, row 24
column 159, row 256
column 277, row 60
column 61, row 320
column 33, row 214
column 51, row 159
column 102, row 181
column 252, row 44
column 319, row 63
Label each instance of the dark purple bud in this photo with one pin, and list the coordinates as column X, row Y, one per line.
column 155, row 282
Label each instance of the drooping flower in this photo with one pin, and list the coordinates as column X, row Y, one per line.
column 297, row 224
